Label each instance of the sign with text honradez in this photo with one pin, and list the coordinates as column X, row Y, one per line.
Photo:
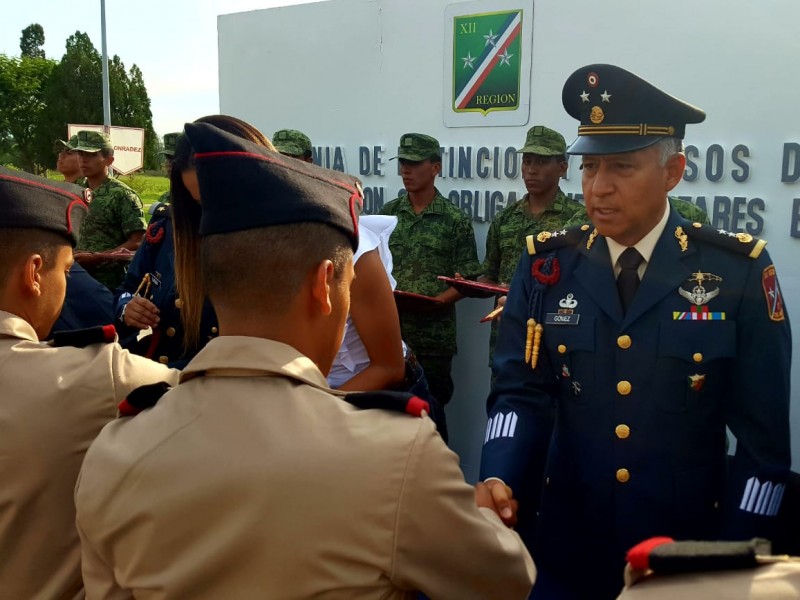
column 488, row 63
column 128, row 145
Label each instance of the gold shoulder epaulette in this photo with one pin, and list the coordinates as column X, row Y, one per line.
column 545, row 241
column 740, row 243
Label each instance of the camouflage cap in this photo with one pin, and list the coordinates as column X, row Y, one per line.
column 292, row 142
column 417, row 147
column 544, row 141
column 91, row 141
column 170, row 143
column 61, row 145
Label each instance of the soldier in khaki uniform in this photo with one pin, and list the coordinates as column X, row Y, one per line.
column 116, row 221
column 296, row 144
column 433, row 237
column 55, row 399
column 252, row 478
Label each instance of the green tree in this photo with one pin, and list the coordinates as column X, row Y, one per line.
column 22, row 105
column 32, row 40
column 74, row 95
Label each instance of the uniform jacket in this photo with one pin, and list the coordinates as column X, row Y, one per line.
column 251, row 479
column 54, row 402
column 640, row 403
column 508, row 230
column 114, row 214
column 88, row 302
column 437, row 241
column 156, row 257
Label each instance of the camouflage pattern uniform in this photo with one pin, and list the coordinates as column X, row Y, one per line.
column 170, row 144
column 114, row 214
column 506, row 238
column 292, row 142
column 689, row 211
column 437, row 241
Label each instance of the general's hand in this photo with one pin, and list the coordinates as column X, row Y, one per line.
column 141, row 313
column 498, row 496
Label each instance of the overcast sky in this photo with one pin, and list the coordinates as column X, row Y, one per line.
column 174, row 42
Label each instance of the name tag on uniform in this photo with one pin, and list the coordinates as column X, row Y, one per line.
column 562, row 319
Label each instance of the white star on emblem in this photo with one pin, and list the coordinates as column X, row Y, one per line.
column 722, row 231
column 555, row 234
column 606, row 97
column 490, row 38
column 585, row 96
column 468, row 60
column 505, row 58
column 731, row 234
column 563, row 232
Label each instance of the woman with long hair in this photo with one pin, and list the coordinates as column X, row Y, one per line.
column 162, row 291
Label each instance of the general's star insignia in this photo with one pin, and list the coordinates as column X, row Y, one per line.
column 490, row 39
column 468, row 60
column 585, row 96
column 605, row 97
column 505, row 58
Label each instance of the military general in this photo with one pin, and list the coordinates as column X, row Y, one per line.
column 252, row 478
column 627, row 347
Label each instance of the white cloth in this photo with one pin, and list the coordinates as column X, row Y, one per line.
column 374, row 232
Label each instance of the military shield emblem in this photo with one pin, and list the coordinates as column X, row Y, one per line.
column 488, row 46
column 487, row 61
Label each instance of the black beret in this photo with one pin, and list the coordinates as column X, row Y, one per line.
column 621, row 112
column 246, row 186
column 30, row 201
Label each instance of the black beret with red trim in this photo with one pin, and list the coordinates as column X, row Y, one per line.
column 29, row 201
column 245, row 186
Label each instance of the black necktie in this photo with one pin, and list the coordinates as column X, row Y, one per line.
column 628, row 278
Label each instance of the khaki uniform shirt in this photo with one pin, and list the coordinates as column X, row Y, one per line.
column 54, row 402
column 252, row 480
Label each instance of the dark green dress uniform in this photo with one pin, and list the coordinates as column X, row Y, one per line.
column 621, row 421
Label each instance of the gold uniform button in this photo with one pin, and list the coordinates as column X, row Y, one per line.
column 622, row 431
column 562, row 349
column 163, row 359
column 697, row 225
column 623, row 475
column 178, row 303
column 624, row 387
column 214, row 330
column 171, row 332
column 697, row 357
column 624, row 342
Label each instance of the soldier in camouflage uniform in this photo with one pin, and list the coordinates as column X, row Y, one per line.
column 689, row 211
column 543, row 208
column 67, row 163
column 432, row 238
column 170, row 143
column 291, row 142
column 115, row 222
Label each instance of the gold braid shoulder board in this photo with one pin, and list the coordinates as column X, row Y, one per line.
column 740, row 243
column 546, row 241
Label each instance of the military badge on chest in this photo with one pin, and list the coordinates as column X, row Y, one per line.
column 699, row 290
